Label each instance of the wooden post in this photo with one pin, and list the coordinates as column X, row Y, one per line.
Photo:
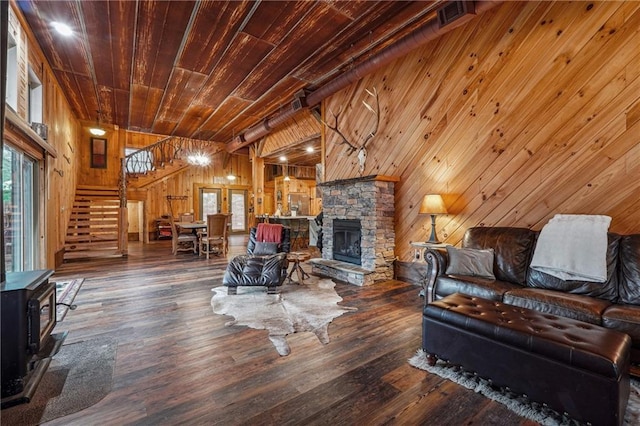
column 257, row 171
column 123, row 222
column 123, row 226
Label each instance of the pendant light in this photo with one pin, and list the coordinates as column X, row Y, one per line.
column 286, row 174
column 231, row 176
column 97, row 130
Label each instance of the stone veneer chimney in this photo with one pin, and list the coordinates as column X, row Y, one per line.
column 371, row 200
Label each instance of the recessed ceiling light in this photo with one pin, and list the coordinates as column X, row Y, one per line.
column 283, row 158
column 63, row 29
column 310, row 149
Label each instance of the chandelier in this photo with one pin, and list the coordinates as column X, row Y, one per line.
column 198, row 158
column 197, row 152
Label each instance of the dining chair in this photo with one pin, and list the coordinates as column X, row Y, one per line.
column 215, row 241
column 186, row 217
column 182, row 242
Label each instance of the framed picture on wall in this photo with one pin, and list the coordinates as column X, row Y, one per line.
column 98, row 153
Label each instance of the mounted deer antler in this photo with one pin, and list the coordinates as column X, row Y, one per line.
column 375, row 112
column 351, row 148
column 362, row 150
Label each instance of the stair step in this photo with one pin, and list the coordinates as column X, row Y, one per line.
column 84, row 223
column 100, row 245
column 93, row 215
column 97, row 202
column 105, row 236
column 108, row 252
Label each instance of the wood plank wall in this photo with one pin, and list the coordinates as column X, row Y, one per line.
column 303, row 126
column 530, row 110
column 187, row 183
column 180, row 183
column 60, row 173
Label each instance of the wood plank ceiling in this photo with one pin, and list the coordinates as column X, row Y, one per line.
column 208, row 69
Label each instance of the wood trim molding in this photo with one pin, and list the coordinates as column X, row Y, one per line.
column 379, row 178
column 19, row 133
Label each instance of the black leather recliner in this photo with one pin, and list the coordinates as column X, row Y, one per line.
column 257, row 269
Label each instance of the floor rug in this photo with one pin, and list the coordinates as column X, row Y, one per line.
column 517, row 403
column 296, row 308
column 79, row 376
column 66, row 292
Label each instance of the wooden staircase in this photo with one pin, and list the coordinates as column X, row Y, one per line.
column 93, row 229
column 167, row 157
column 98, row 223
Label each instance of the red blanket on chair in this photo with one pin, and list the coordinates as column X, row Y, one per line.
column 269, row 232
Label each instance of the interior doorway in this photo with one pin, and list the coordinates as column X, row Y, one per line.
column 135, row 219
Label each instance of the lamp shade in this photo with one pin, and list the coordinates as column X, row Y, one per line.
column 432, row 204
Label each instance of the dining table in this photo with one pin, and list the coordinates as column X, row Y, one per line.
column 199, row 224
column 195, row 227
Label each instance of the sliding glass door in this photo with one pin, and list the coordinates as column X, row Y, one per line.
column 20, row 214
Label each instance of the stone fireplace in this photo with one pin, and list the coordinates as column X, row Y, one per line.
column 368, row 202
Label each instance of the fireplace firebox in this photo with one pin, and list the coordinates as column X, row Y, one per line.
column 346, row 241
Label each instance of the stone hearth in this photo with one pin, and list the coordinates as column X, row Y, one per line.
column 371, row 200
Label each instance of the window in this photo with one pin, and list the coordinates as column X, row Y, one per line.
column 35, row 98
column 140, row 162
column 19, row 177
column 12, row 74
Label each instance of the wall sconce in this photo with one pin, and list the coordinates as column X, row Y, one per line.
column 432, row 204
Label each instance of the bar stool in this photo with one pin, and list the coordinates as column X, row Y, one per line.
column 295, row 233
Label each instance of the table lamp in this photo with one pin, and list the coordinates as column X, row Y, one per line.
column 433, row 205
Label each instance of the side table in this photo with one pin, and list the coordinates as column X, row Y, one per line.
column 297, row 257
column 420, row 249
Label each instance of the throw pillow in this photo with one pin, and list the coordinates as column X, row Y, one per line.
column 470, row 262
column 263, row 248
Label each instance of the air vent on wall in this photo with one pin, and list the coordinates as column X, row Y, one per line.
column 299, row 100
column 454, row 10
column 298, row 104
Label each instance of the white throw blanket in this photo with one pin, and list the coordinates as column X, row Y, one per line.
column 573, row 247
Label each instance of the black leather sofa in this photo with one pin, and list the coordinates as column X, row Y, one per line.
column 260, row 266
column 614, row 304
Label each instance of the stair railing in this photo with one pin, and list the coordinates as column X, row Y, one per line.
column 154, row 156
column 148, row 159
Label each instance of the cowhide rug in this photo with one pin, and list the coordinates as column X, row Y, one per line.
column 296, row 308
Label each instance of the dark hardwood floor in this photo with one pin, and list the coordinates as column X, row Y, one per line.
column 177, row 363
